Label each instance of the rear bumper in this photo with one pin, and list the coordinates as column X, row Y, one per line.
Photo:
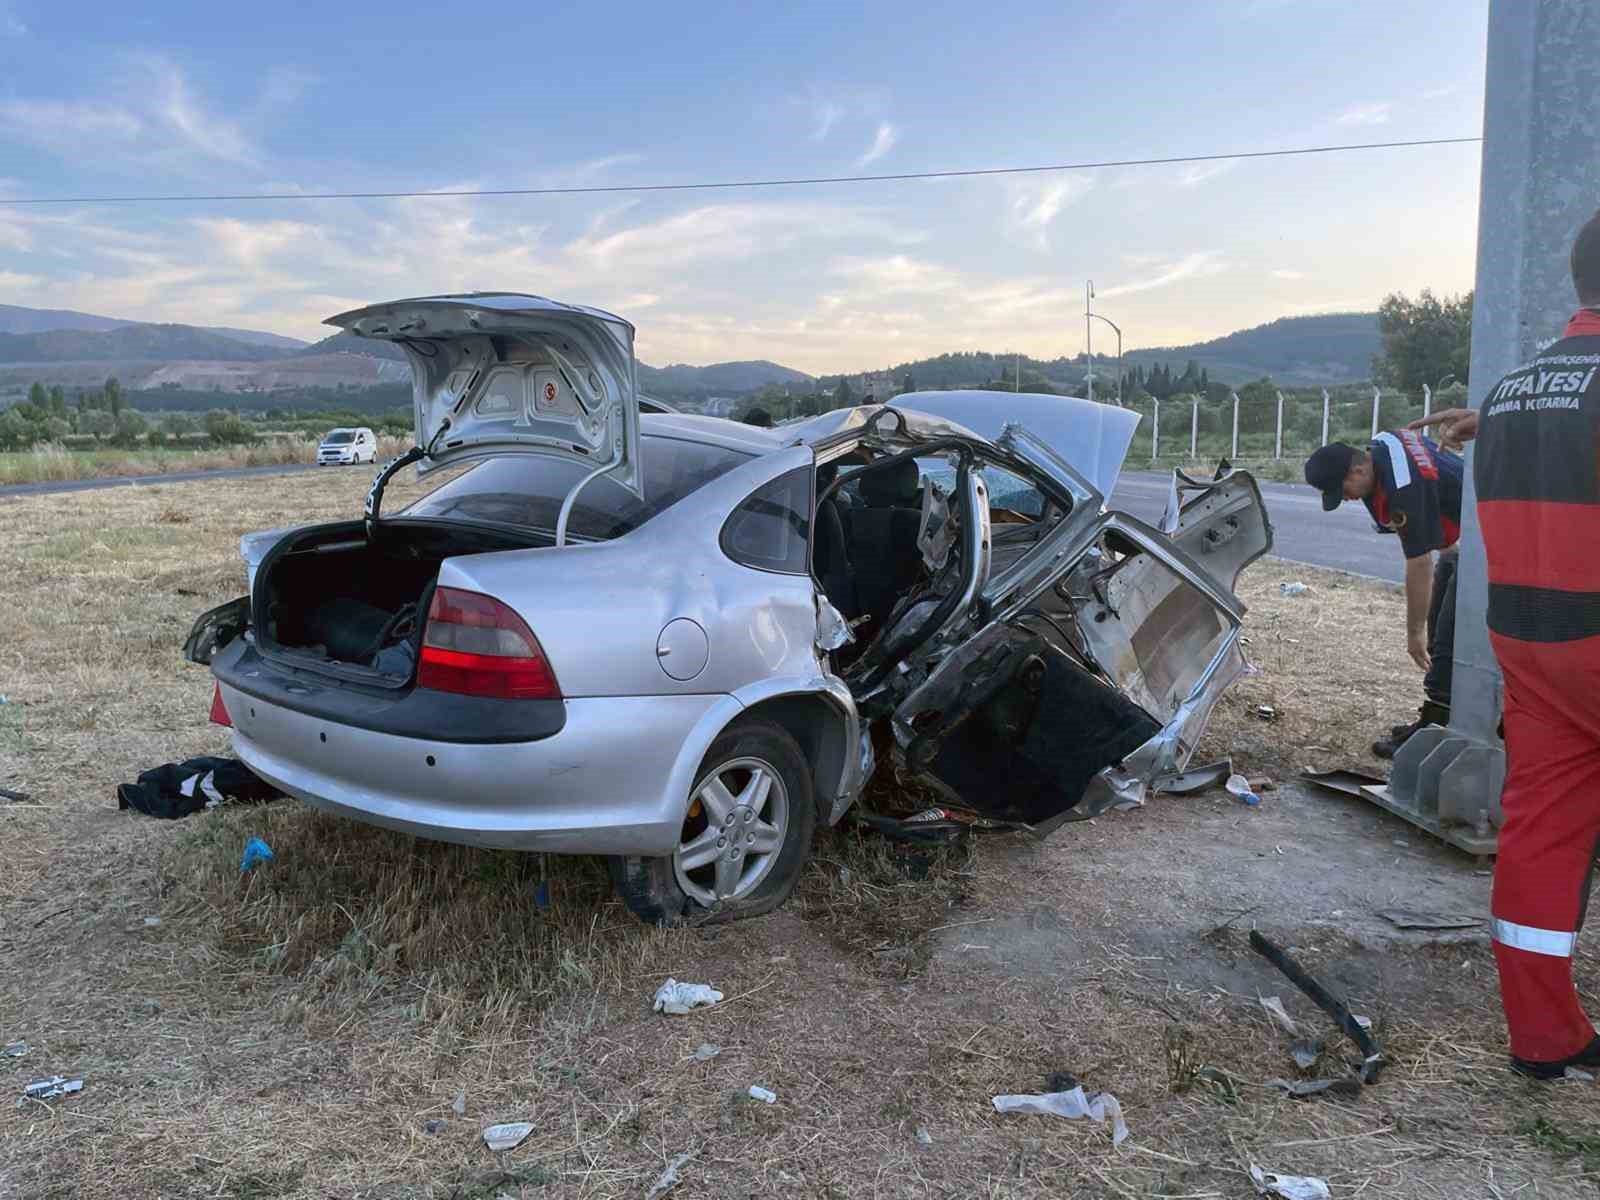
column 615, row 780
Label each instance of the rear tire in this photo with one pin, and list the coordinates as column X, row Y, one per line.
column 759, row 763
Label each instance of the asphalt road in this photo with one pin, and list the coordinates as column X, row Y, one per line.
column 1343, row 539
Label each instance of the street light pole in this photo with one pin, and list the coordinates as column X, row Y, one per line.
column 1088, row 339
column 1118, row 331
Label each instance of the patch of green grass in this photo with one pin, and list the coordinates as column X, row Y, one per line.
column 111, row 545
column 1562, row 1143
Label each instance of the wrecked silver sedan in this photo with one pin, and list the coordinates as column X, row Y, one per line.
column 682, row 642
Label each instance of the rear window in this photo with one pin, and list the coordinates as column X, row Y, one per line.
column 526, row 492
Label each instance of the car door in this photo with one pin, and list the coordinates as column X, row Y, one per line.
column 1106, row 649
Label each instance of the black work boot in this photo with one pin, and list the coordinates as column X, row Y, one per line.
column 1589, row 1056
column 1431, row 713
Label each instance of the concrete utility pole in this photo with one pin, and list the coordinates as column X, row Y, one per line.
column 1278, row 446
column 1194, row 431
column 1427, row 400
column 1155, row 429
column 1377, row 396
column 1235, row 453
column 1324, row 441
column 1539, row 183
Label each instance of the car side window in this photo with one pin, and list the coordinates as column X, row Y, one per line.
column 1012, row 493
column 770, row 529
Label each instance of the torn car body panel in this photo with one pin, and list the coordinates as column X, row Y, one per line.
column 1108, row 649
column 1221, row 523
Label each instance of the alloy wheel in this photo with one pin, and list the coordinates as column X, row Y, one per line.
column 738, row 819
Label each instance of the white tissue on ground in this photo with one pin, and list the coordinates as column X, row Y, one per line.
column 678, row 998
column 1074, row 1104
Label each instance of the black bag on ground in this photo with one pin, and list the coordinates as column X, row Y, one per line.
column 179, row 789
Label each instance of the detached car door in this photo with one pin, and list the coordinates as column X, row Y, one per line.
column 1105, row 650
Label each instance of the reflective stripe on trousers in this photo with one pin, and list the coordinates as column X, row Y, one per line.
column 1553, row 942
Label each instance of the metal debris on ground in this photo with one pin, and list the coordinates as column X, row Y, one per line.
column 1301, row 1089
column 1290, row 1187
column 15, row 797
column 501, row 1138
column 924, row 1138
column 1405, row 918
column 669, row 1178
column 1305, row 1052
column 151, row 922
column 51, row 1089
column 1577, row 1075
column 1074, row 1105
column 1294, row 588
column 1347, row 781
column 1195, row 779
column 1239, row 786
column 459, row 1104
column 255, row 852
column 1280, row 1014
column 434, row 1127
column 678, row 998
column 705, row 1052
column 761, row 1094
column 16, row 1049
column 1326, row 1001
column 1264, row 712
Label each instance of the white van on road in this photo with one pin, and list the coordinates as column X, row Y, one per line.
column 345, row 446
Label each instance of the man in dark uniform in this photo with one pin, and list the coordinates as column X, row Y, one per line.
column 1412, row 488
column 1538, row 484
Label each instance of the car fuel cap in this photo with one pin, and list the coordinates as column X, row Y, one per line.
column 682, row 649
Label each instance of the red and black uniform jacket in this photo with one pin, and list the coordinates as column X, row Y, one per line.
column 1539, row 492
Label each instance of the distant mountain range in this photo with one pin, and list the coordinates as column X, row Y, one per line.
column 15, row 319
column 59, row 345
column 1330, row 348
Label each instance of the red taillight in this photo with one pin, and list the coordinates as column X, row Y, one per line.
column 476, row 646
column 219, row 710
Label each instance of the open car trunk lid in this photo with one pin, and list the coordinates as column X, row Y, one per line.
column 516, row 374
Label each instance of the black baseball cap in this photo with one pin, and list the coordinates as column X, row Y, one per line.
column 1325, row 471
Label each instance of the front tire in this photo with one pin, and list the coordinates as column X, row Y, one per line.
column 746, row 834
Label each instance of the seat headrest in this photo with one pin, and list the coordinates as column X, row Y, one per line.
column 894, row 486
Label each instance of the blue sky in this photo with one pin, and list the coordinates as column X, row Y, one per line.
column 161, row 98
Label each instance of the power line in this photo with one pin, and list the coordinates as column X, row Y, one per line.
column 598, row 189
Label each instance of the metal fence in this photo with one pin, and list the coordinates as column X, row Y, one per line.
column 1284, row 425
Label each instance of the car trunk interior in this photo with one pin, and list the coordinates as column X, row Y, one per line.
column 328, row 598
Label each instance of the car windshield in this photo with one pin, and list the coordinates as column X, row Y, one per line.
column 339, row 437
column 526, row 492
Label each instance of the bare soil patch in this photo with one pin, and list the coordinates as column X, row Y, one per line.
column 304, row 1030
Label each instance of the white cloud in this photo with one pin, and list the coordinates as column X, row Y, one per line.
column 1365, row 114
column 1190, row 266
column 1284, row 273
column 827, row 116
column 1032, row 208
column 882, row 143
column 209, row 134
column 67, row 126
column 1193, row 174
column 14, row 281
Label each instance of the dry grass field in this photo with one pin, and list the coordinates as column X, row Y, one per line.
column 306, row 1030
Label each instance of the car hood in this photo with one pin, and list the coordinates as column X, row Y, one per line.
column 514, row 374
column 1093, row 438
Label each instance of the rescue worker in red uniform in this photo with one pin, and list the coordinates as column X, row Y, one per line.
column 1538, row 484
